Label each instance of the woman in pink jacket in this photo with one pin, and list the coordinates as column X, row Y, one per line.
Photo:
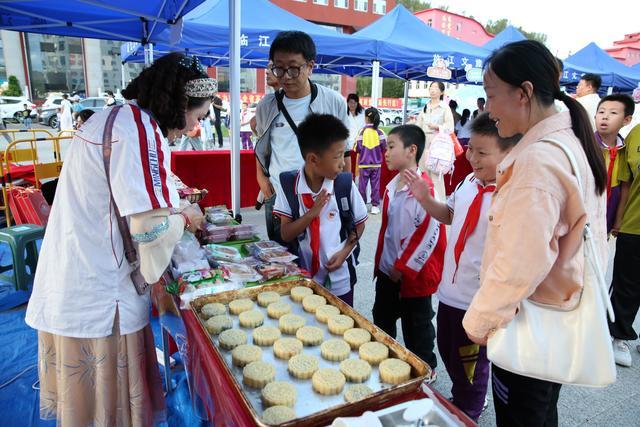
column 534, row 245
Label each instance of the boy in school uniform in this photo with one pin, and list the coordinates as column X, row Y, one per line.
column 614, row 112
column 410, row 251
column 466, row 211
column 320, row 208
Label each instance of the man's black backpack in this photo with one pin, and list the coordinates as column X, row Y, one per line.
column 342, row 191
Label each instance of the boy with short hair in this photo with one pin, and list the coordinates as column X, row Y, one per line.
column 410, row 251
column 26, row 116
column 614, row 112
column 466, row 211
column 320, row 208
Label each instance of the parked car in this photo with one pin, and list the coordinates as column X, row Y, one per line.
column 49, row 115
column 390, row 117
column 96, row 103
column 10, row 107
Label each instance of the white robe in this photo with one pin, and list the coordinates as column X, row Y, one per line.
column 66, row 119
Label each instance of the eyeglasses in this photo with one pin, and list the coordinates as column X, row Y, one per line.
column 292, row 72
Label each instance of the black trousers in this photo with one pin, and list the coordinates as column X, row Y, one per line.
column 522, row 401
column 625, row 286
column 415, row 315
column 218, row 127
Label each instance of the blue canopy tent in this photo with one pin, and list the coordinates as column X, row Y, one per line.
column 205, row 33
column 636, row 67
column 409, row 49
column 509, row 35
column 592, row 59
column 122, row 20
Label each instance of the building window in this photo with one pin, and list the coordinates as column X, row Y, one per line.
column 322, row 2
column 459, row 26
column 342, row 4
column 55, row 64
column 361, row 5
column 3, row 68
column 331, row 81
column 380, row 7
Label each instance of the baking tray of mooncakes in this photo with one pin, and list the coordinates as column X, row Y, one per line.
column 310, row 407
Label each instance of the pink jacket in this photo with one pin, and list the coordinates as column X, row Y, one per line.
column 533, row 247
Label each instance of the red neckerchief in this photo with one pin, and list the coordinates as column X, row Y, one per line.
column 470, row 222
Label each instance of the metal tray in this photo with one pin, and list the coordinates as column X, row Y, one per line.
column 312, row 408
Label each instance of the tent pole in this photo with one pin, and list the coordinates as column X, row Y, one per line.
column 405, row 102
column 375, row 83
column 234, row 101
column 122, row 78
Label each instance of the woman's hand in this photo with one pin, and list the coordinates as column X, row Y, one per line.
column 478, row 340
column 196, row 217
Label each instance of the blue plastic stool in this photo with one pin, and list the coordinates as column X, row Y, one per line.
column 20, row 238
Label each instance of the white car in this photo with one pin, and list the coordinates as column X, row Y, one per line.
column 390, row 117
column 10, row 107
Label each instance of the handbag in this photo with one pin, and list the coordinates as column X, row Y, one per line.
column 142, row 287
column 567, row 346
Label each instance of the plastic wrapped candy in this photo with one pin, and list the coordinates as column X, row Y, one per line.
column 256, row 248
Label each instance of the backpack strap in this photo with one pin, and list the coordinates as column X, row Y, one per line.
column 342, row 190
column 279, row 99
column 288, row 182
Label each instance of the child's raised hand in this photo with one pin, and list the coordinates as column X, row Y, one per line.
column 418, row 186
column 321, row 201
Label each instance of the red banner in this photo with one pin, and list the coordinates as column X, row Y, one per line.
column 394, row 103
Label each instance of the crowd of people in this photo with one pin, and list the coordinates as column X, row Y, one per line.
column 521, row 185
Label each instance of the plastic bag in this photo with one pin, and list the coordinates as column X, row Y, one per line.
column 224, row 253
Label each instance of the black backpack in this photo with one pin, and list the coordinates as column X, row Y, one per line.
column 342, row 189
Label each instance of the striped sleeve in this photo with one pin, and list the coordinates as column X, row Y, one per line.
column 281, row 206
column 140, row 162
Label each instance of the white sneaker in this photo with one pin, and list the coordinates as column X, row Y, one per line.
column 375, row 210
column 621, row 352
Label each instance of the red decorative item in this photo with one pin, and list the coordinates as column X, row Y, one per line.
column 457, row 147
column 28, row 206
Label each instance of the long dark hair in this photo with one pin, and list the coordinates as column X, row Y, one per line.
column 160, row 89
column 466, row 113
column 373, row 115
column 356, row 98
column 531, row 61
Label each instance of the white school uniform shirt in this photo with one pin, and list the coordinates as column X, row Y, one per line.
column 285, row 151
column 82, row 275
column 590, row 103
column 405, row 215
column 459, row 291
column 330, row 225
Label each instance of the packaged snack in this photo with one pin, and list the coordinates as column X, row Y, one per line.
column 270, row 271
column 239, row 272
column 220, row 252
column 256, row 248
column 242, row 235
column 219, row 218
column 276, row 255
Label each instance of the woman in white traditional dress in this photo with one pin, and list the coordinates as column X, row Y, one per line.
column 97, row 361
column 66, row 114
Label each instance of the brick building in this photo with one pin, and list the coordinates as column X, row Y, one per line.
column 454, row 25
column 627, row 50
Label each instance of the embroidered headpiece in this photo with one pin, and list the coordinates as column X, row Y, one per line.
column 201, row 88
column 192, row 62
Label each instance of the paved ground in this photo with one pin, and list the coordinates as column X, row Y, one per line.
column 616, row 405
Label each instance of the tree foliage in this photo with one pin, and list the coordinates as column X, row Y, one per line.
column 415, row 5
column 14, row 87
column 495, row 27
